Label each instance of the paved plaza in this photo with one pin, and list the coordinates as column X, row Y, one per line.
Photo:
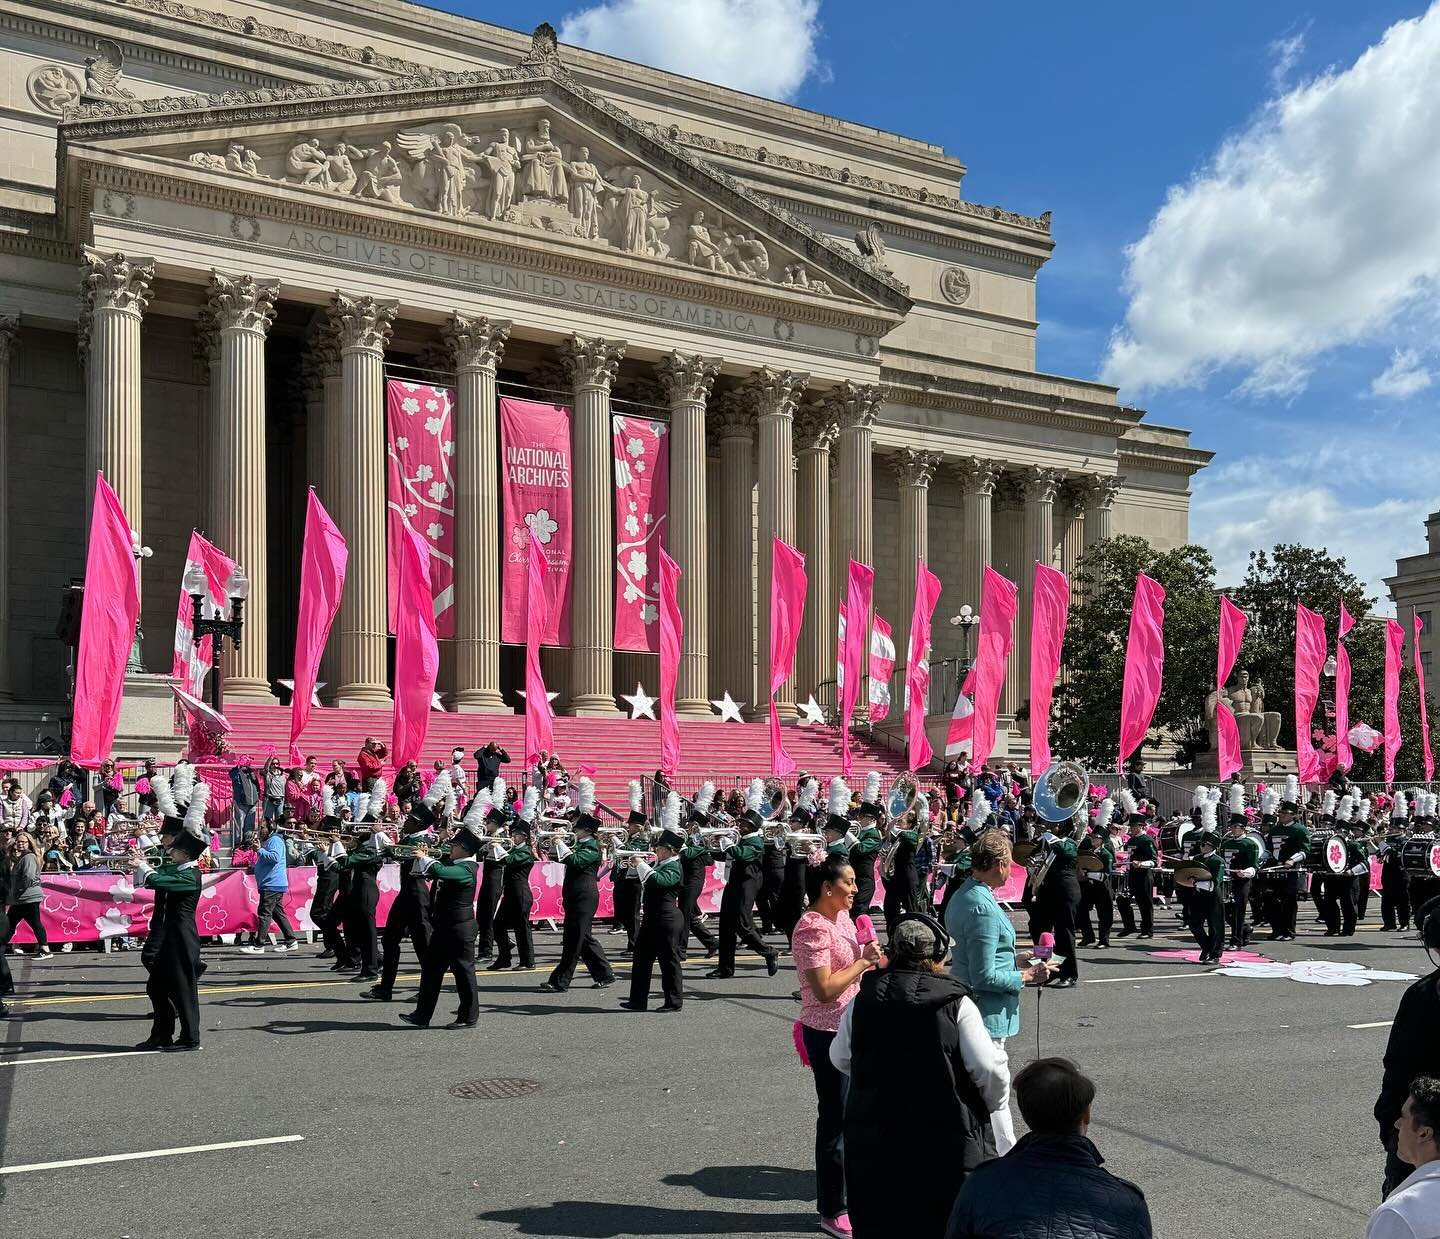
column 1241, row 1106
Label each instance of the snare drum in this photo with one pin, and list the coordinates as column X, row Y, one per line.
column 1420, row 856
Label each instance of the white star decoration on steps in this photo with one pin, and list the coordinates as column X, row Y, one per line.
column 289, row 686
column 436, row 703
column 729, row 709
column 811, row 713
column 520, row 692
column 642, row 705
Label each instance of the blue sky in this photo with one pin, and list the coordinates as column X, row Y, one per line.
column 1275, row 167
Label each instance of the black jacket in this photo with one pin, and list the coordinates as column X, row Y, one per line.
column 1049, row 1187
column 1413, row 1050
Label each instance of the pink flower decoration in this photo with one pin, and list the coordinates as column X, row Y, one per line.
column 214, row 918
column 1228, row 957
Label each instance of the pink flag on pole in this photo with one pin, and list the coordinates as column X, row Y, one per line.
column 859, row 589
column 882, row 667
column 539, row 718
column 420, row 491
column 1344, row 758
column 1144, row 663
column 1394, row 660
column 787, row 609
column 918, row 752
column 1050, row 611
column 1309, row 661
column 642, row 498
column 323, row 557
column 107, row 629
column 417, row 652
column 535, row 486
column 1416, row 626
column 1227, row 732
column 672, row 628
column 998, row 598
column 193, row 660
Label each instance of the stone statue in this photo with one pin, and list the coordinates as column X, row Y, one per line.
column 700, row 250
column 1259, row 728
column 340, row 168
column 502, row 161
column 53, row 88
column 586, row 185
column 308, row 161
column 635, row 204
column 103, row 72
column 237, row 158
column 870, row 243
column 381, row 177
column 451, row 159
column 544, row 175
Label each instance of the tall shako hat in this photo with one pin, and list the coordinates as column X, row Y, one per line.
column 477, row 813
column 585, row 817
column 979, row 812
column 754, row 798
column 670, row 835
column 1327, row 805
column 329, row 810
column 804, row 812
column 423, row 815
column 637, row 800
column 1130, row 806
column 1399, row 807
column 837, row 806
column 1290, row 799
column 1269, row 803
column 1237, row 805
column 870, row 798
column 700, row 806
column 1103, row 817
column 496, row 814
column 172, row 816
column 194, row 838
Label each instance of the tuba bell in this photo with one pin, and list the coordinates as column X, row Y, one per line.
column 901, row 797
column 1060, row 791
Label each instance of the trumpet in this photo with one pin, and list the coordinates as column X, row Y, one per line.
column 613, row 836
column 564, row 836
column 630, row 856
column 407, row 851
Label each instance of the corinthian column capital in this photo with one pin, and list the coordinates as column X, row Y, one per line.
column 815, row 429
column 854, row 405
column 1039, row 484
column 773, row 393
column 114, row 282
column 9, row 326
column 687, row 376
column 362, row 322
column 592, row 360
column 731, row 417
column 914, row 468
column 475, row 343
column 977, row 475
column 241, row 302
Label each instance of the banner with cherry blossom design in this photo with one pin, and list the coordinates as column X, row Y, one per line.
column 420, row 489
column 642, row 502
column 193, row 660
column 535, row 482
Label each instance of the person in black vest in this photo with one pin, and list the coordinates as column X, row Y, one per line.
column 451, row 947
column 914, row 1045
column 517, row 899
column 579, row 897
column 489, row 760
column 742, row 884
column 662, row 925
column 865, row 841
column 363, row 863
column 492, row 871
column 772, row 873
column 1394, row 881
column 695, row 858
column 1413, row 1050
column 317, row 851
column 624, row 879
column 410, row 913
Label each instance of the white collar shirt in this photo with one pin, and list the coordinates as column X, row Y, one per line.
column 1412, row 1210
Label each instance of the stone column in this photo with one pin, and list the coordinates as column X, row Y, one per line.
column 978, row 478
column 592, row 363
column 772, row 396
column 9, row 329
column 814, row 436
column 1039, row 487
column 362, row 326
column 1008, row 559
column 913, row 471
column 243, row 308
column 853, row 407
column 1100, row 508
column 116, row 292
column 476, row 345
column 325, row 403
column 687, row 381
column 734, row 647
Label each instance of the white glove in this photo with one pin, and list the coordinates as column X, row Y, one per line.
column 1244, row 873
column 1296, row 859
column 895, row 830
column 643, row 869
column 1096, row 876
column 1359, row 870
column 850, row 839
column 497, row 852
column 1143, row 864
column 422, row 865
column 1204, row 886
column 561, row 851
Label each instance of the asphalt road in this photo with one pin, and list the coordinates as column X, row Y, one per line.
column 1241, row 1106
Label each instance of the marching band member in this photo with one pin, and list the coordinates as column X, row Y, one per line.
column 1337, row 890
column 1394, row 881
column 903, row 891
column 172, row 946
column 772, row 869
column 580, row 896
column 1138, row 891
column 695, row 858
column 1354, row 883
column 517, row 900
column 363, row 862
column 1095, row 891
column 1206, row 919
column 1057, row 904
column 839, row 838
column 1289, row 844
column 624, row 880
column 410, row 913
column 865, row 849
column 492, row 871
column 794, row 886
column 741, row 884
column 1242, row 858
column 451, row 947
column 662, row 925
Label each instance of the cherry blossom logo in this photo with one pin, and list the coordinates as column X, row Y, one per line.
column 637, row 565
column 402, row 444
column 410, row 405
column 214, row 918
column 388, row 879
column 123, row 889
column 1314, row 972
column 542, row 525
column 112, row 922
column 70, row 927
column 554, row 873
column 1229, row 957
column 433, row 531
column 62, row 894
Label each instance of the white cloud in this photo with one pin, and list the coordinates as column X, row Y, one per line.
column 1403, row 377
column 1286, row 53
column 1310, row 228
column 765, row 47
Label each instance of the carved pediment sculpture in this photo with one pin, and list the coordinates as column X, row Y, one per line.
column 103, row 72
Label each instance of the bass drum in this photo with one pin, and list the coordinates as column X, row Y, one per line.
column 1261, row 844
column 1420, row 856
column 1326, row 855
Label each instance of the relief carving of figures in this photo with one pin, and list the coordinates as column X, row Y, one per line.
column 237, row 158
column 381, row 177
column 586, row 185
column 53, row 88
column 502, row 161
column 640, row 212
column 700, row 250
column 103, row 72
column 544, row 167
column 307, row 161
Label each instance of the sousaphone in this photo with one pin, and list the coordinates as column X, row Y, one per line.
column 1060, row 791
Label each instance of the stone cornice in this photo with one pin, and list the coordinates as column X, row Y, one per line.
column 1158, row 458
column 437, row 90
column 1003, row 402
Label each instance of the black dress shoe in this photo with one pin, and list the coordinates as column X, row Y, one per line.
column 412, row 1019
column 669, row 1006
column 605, row 984
column 151, row 1044
column 367, row 976
column 711, row 953
column 772, row 963
column 378, row 994
column 550, row 987
column 341, row 965
column 1102, row 946
column 498, row 965
column 718, row 974
column 521, row 967
column 627, row 1005
column 462, row 1024
column 1063, row 983
column 327, row 953
column 180, row 1046
column 1124, row 933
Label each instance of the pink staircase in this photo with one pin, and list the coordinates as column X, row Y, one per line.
column 619, row 749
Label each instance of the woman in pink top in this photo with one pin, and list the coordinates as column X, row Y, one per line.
column 830, row 963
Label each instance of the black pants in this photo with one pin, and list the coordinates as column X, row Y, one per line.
column 361, row 936
column 829, row 1122
column 7, row 982
column 410, row 918
column 737, row 923
column 1205, row 918
column 1057, row 909
column 1362, row 894
column 272, row 908
column 1282, row 903
column 1140, row 883
column 30, row 914
column 578, row 942
column 767, row 904
column 693, row 925
column 1240, row 891
column 487, row 899
column 660, row 938
column 173, row 988
column 1395, row 905
column 901, row 896
column 333, row 930
column 627, row 907
column 1338, row 908
column 324, row 897
column 451, row 949
column 514, row 918
column 1095, row 895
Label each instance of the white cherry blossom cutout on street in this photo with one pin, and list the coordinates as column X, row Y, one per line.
column 1314, row 972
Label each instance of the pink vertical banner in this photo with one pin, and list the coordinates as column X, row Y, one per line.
column 1227, row 732
column 323, row 557
column 539, row 718
column 1144, row 663
column 1424, row 706
column 918, row 752
column 642, row 499
column 535, row 487
column 998, row 600
column 960, row 736
column 107, row 629
column 417, row 653
column 672, row 629
column 1050, row 612
column 787, row 609
column 1394, row 660
column 193, row 660
column 882, row 667
column 859, row 589
column 420, row 491
column 1309, row 661
column 1344, row 758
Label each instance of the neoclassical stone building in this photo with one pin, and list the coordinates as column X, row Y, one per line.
column 222, row 224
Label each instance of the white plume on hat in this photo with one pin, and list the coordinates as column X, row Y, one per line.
column 1269, row 802
column 1200, row 796
column 806, row 797
column 1107, row 813
column 637, row 796
column 837, row 802
column 497, row 792
column 585, row 795
column 670, row 812
column 980, row 810
column 1237, row 798
column 379, row 789
column 1362, row 810
column 1292, row 789
column 704, row 798
column 530, row 805
column 182, row 783
column 1345, row 808
column 480, row 804
column 1207, row 814
column 164, row 797
column 1327, row 803
column 1399, row 807
column 1215, row 795
column 439, row 789
column 755, row 795
column 1127, row 802
column 195, row 814
column 872, row 788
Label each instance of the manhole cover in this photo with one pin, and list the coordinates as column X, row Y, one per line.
column 495, row 1090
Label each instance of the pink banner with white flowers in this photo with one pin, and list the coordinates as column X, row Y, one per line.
column 193, row 660
column 535, row 484
column 420, row 488
column 642, row 502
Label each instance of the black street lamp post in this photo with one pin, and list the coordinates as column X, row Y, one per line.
column 217, row 626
